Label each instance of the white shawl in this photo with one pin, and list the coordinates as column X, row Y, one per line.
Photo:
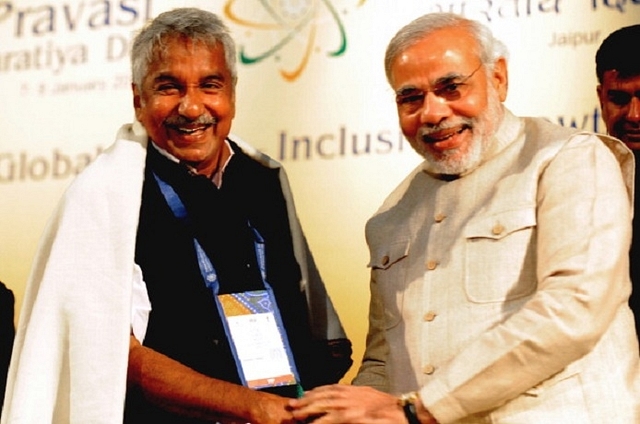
column 70, row 355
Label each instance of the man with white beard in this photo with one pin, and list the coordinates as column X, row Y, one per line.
column 499, row 266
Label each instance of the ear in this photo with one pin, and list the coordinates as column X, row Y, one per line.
column 137, row 102
column 600, row 92
column 500, row 78
column 233, row 102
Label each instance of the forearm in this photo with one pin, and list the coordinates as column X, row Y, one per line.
column 372, row 371
column 179, row 389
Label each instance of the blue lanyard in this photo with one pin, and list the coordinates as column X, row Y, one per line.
column 210, row 277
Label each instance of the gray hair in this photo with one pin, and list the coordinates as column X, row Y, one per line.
column 190, row 23
column 490, row 49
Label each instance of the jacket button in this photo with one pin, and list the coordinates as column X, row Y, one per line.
column 385, row 260
column 428, row 369
column 429, row 316
column 439, row 217
column 497, row 229
column 431, row 265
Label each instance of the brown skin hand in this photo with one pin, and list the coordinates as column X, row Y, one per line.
column 179, row 389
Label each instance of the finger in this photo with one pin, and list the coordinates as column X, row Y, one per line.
column 307, row 414
column 313, row 396
column 317, row 404
column 322, row 390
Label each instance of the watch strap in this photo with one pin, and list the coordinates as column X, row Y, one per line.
column 408, row 403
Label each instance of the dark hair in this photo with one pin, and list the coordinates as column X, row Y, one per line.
column 191, row 23
column 619, row 51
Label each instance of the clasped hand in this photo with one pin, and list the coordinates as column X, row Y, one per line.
column 347, row 404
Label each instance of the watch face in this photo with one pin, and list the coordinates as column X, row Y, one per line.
column 407, row 398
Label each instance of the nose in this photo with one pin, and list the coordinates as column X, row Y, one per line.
column 434, row 109
column 191, row 103
column 634, row 109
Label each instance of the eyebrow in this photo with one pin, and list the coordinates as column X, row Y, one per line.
column 623, row 91
column 451, row 77
column 404, row 91
column 170, row 77
column 440, row 81
column 444, row 80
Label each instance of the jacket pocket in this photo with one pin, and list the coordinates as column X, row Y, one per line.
column 500, row 256
column 388, row 264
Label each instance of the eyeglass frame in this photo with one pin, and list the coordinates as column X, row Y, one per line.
column 446, row 88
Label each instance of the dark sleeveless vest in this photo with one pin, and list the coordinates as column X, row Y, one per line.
column 184, row 323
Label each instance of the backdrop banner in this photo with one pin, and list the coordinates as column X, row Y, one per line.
column 311, row 94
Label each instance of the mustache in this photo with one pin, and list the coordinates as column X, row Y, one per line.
column 181, row 121
column 428, row 130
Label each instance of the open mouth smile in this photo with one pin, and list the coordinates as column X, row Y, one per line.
column 190, row 130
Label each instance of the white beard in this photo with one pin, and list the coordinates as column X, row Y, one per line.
column 457, row 162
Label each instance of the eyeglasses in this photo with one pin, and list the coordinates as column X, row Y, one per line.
column 449, row 88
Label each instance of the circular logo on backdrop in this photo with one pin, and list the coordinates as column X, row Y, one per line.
column 289, row 31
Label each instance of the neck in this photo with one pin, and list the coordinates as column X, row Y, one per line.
column 215, row 166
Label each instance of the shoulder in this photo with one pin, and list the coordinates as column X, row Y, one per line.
column 249, row 170
column 543, row 138
column 551, row 146
column 116, row 171
column 536, row 126
column 239, row 145
column 546, row 139
column 542, row 133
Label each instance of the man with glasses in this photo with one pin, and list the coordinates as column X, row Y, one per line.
column 618, row 72
column 499, row 266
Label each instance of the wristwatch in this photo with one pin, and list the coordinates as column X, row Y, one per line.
column 407, row 402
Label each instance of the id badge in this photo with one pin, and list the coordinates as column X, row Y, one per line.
column 260, row 348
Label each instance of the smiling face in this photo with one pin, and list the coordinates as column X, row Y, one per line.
column 187, row 102
column 449, row 104
column 620, row 103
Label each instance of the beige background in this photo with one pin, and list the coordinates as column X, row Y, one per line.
column 64, row 81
